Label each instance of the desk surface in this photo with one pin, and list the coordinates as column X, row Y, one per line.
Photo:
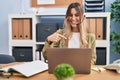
column 94, row 75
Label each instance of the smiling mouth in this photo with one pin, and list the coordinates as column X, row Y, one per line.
column 74, row 23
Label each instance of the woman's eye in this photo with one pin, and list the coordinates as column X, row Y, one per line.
column 76, row 15
column 70, row 15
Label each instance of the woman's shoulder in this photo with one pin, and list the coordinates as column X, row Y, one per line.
column 91, row 35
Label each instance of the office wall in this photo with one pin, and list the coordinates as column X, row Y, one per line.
column 8, row 7
column 23, row 6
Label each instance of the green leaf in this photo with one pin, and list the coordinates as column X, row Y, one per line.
column 115, row 11
column 115, row 38
column 64, row 71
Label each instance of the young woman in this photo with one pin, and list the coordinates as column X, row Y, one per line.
column 74, row 34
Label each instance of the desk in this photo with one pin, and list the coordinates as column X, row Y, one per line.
column 94, row 75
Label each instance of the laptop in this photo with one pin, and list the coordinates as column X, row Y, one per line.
column 79, row 58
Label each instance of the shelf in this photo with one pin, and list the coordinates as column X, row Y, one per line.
column 22, row 43
column 38, row 43
column 102, row 43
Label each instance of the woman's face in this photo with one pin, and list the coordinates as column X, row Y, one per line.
column 74, row 18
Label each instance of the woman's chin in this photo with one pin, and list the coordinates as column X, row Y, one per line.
column 74, row 25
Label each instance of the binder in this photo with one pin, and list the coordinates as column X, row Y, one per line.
column 88, row 24
column 92, row 25
column 99, row 28
column 27, row 29
column 14, row 29
column 20, row 27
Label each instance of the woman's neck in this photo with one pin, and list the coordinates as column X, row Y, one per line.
column 75, row 29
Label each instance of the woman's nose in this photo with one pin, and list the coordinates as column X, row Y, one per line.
column 73, row 17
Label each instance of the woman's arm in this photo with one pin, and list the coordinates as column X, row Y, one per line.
column 52, row 41
column 92, row 44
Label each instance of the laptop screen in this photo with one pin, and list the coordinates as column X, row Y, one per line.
column 79, row 58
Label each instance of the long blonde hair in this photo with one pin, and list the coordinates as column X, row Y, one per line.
column 82, row 25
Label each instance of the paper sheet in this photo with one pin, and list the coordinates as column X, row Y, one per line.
column 45, row 1
column 100, row 69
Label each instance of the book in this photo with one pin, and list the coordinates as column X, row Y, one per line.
column 99, row 28
column 15, row 29
column 27, row 29
column 27, row 68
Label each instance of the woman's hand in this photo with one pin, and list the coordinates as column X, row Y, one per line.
column 55, row 37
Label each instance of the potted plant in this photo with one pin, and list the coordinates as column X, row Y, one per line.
column 115, row 16
column 64, row 72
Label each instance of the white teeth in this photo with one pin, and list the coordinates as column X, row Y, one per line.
column 73, row 22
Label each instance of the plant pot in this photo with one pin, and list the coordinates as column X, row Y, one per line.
column 71, row 78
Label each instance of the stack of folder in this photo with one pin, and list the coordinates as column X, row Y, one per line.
column 95, row 26
column 21, row 28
